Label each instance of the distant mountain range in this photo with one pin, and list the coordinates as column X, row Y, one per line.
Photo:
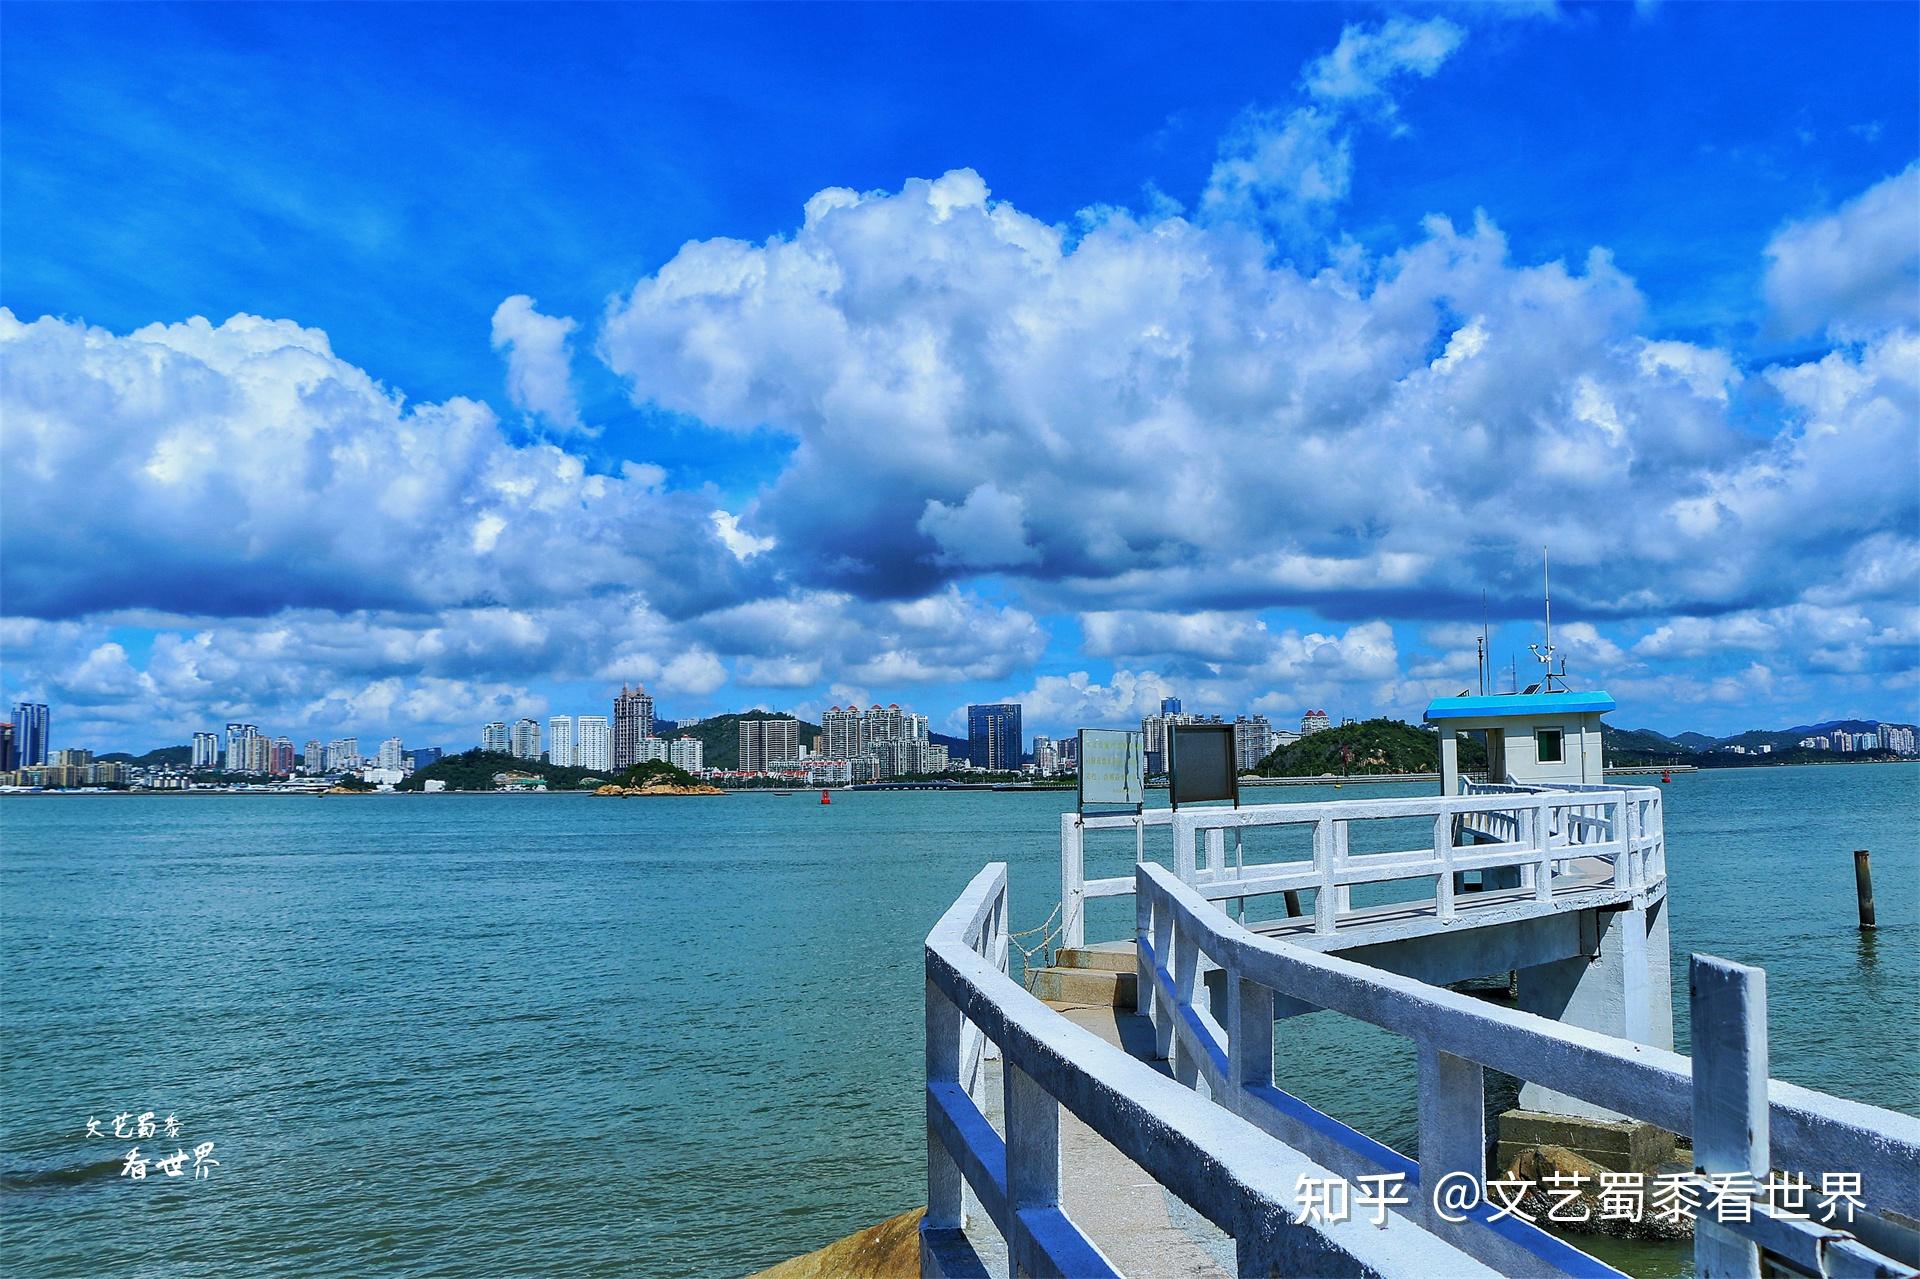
column 1644, row 745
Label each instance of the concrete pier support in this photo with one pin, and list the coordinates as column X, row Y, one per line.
column 1623, row 985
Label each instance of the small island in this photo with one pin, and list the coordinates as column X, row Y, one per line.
column 656, row 777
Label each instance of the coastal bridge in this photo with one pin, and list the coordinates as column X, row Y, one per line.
column 1161, row 1141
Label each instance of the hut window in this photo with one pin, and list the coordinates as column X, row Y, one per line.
column 1548, row 740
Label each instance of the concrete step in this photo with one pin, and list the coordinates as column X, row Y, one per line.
column 1103, row 958
column 1084, row 986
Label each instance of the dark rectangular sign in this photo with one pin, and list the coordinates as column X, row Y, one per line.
column 1201, row 763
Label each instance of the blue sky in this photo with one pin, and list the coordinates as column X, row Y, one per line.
column 1230, row 351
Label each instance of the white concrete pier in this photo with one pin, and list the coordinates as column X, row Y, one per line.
column 1194, row 1109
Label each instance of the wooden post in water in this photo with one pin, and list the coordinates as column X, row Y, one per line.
column 1863, row 886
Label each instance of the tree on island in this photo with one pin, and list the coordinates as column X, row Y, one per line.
column 474, row 770
column 657, row 772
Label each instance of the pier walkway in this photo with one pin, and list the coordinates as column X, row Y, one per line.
column 1090, row 1142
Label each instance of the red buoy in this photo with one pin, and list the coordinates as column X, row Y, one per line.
column 825, row 798
column 1666, row 777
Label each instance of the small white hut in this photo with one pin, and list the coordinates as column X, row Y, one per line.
column 1534, row 739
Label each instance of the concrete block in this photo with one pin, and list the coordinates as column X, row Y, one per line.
column 1085, row 986
column 1624, row 1145
column 1117, row 960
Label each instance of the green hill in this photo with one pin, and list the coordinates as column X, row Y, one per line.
column 1626, row 746
column 1375, row 746
column 166, row 756
column 474, row 770
column 719, row 735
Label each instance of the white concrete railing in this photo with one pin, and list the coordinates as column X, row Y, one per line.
column 1738, row 1118
column 1241, row 1179
column 1538, row 831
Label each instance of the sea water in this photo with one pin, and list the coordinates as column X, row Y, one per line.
column 526, row 1034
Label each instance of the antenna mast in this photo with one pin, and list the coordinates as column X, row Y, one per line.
column 1485, row 646
column 1546, row 654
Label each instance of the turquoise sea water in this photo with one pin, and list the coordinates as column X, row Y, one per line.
column 511, row 1035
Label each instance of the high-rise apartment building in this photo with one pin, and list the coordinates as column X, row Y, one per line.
column 32, row 732
column 887, row 724
column 993, row 736
column 768, row 741
column 686, row 752
column 1314, row 722
column 247, row 751
column 593, row 745
column 7, row 757
column 525, row 738
column 494, row 738
column 1252, row 740
column 1046, row 759
column 393, row 754
column 314, row 758
column 206, row 751
column 280, row 757
column 632, row 724
column 343, row 754
column 560, row 742
column 233, row 752
column 843, row 732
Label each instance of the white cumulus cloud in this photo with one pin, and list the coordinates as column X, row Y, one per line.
column 1855, row 271
column 539, row 362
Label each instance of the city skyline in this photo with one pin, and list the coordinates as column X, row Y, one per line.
column 842, row 733
column 1308, row 366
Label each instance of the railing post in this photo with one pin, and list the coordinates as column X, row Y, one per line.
column 1163, row 930
column 1342, row 895
column 1730, row 1111
column 1216, row 851
column 1326, row 899
column 945, row 1189
column 1073, row 880
column 1033, row 1165
column 1443, row 853
column 1003, row 937
column 1249, row 1035
column 1623, row 839
column 1146, row 992
column 1453, row 1121
column 1183, row 852
column 1543, row 852
column 1186, row 976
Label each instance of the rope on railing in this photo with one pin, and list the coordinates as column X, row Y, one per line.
column 1043, row 948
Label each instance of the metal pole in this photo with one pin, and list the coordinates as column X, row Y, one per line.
column 1863, row 886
